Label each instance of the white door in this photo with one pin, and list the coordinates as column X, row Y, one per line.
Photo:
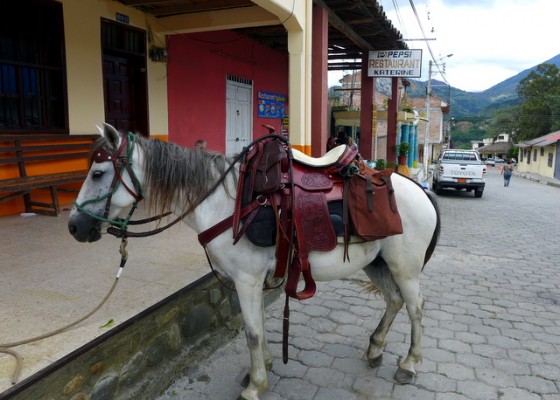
column 239, row 122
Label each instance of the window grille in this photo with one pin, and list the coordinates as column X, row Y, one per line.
column 240, row 80
column 32, row 67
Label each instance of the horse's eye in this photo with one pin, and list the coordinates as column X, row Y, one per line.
column 97, row 174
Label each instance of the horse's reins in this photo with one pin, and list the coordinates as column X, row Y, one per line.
column 123, row 161
column 119, row 227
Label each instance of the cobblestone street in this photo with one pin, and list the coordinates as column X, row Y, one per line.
column 491, row 319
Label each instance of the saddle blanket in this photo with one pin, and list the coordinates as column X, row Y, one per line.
column 262, row 230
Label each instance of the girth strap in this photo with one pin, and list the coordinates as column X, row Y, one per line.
column 211, row 233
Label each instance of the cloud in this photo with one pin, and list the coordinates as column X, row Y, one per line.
column 491, row 40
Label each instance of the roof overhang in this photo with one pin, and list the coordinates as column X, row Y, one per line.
column 542, row 141
column 355, row 27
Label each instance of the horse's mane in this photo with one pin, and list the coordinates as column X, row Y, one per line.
column 179, row 176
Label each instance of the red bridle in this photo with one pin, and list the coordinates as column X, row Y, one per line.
column 121, row 160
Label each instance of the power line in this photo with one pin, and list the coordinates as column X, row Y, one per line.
column 398, row 12
column 426, row 38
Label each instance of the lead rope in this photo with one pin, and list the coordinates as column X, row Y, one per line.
column 5, row 347
column 286, row 329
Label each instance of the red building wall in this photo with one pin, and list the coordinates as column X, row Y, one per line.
column 197, row 67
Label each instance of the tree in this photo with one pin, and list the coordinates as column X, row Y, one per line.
column 505, row 120
column 540, row 96
column 464, row 131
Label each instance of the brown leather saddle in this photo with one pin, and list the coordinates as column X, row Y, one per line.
column 298, row 189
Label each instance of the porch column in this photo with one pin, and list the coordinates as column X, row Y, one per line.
column 297, row 19
column 299, row 92
column 319, row 81
column 392, row 121
column 367, row 145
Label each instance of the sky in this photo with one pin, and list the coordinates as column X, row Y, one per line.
column 491, row 40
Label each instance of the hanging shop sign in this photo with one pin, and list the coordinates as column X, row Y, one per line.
column 271, row 105
column 395, row 63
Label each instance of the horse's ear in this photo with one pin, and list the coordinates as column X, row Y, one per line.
column 110, row 134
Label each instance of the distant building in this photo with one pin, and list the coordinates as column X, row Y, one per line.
column 348, row 99
column 438, row 130
column 541, row 156
column 498, row 147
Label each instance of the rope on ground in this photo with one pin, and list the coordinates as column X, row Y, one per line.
column 5, row 347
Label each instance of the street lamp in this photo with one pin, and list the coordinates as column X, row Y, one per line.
column 427, row 124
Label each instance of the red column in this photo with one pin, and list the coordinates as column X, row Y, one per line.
column 392, row 121
column 367, row 144
column 320, row 81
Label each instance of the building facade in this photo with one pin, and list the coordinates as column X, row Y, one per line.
column 180, row 70
column 541, row 155
column 411, row 112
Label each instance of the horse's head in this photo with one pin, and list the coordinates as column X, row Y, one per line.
column 113, row 185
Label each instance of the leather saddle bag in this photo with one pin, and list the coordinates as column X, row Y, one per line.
column 268, row 174
column 372, row 206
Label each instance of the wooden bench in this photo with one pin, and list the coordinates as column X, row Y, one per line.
column 25, row 149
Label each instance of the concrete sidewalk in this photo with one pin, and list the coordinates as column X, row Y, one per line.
column 50, row 280
column 539, row 178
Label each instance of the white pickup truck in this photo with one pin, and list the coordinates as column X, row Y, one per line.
column 459, row 169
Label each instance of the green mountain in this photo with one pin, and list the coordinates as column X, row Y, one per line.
column 466, row 104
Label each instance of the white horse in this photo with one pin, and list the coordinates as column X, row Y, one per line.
column 126, row 169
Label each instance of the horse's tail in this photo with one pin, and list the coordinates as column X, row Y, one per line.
column 435, row 237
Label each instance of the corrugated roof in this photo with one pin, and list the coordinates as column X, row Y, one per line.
column 542, row 141
column 498, row 147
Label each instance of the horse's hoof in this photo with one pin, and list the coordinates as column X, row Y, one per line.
column 404, row 376
column 248, row 395
column 375, row 362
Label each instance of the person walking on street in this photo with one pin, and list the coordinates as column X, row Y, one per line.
column 507, row 171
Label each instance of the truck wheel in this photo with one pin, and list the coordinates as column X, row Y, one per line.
column 478, row 193
column 436, row 188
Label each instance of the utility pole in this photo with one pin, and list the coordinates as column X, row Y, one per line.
column 427, row 123
column 428, row 104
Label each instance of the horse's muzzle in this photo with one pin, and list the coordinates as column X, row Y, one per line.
column 84, row 228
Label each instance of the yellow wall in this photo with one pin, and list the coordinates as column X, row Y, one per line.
column 541, row 165
column 82, row 30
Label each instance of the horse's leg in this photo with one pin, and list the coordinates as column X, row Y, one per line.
column 266, row 354
column 265, row 347
column 381, row 277
column 249, row 291
column 410, row 290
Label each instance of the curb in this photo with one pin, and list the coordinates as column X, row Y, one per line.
column 539, row 180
